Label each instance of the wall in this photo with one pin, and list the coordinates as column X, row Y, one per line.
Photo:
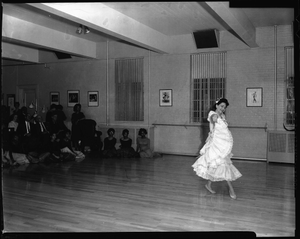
column 61, row 77
column 246, row 67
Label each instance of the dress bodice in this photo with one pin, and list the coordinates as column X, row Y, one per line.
column 110, row 143
column 221, row 121
column 220, row 141
column 126, row 143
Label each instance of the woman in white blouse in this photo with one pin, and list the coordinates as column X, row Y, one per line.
column 14, row 122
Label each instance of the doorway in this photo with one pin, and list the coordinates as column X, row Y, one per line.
column 28, row 95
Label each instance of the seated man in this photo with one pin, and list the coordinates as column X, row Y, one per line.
column 56, row 126
column 25, row 128
column 40, row 132
column 29, row 142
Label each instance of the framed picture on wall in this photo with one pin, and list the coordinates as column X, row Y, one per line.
column 73, row 97
column 93, row 98
column 165, row 97
column 11, row 103
column 11, row 100
column 254, row 97
column 54, row 98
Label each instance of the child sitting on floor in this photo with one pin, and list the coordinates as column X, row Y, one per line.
column 65, row 144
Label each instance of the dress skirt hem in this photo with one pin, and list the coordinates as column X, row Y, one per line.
column 220, row 170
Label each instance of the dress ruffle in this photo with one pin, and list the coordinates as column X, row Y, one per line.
column 214, row 162
column 218, row 170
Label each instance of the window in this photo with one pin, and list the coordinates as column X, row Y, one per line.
column 208, row 75
column 129, row 90
column 289, row 120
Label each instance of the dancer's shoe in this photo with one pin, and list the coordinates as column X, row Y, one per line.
column 232, row 195
column 209, row 189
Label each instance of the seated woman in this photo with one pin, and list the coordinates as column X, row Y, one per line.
column 126, row 151
column 97, row 143
column 14, row 122
column 65, row 144
column 53, row 150
column 143, row 145
column 14, row 154
column 76, row 117
column 109, row 144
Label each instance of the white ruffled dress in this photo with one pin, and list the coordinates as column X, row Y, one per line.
column 214, row 162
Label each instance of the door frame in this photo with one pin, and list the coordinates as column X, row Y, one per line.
column 20, row 93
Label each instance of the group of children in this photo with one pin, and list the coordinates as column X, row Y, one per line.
column 126, row 150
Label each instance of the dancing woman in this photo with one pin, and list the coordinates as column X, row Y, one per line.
column 214, row 162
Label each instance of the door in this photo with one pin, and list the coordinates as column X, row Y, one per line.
column 28, row 97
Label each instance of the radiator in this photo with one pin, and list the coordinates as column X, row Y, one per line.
column 281, row 147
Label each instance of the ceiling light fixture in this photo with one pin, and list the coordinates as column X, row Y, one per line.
column 79, row 29
column 86, row 30
column 83, row 29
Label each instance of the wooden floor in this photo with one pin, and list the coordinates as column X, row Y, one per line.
column 145, row 195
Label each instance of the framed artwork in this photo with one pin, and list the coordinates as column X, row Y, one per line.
column 54, row 98
column 254, row 97
column 11, row 101
column 93, row 98
column 165, row 97
column 73, row 97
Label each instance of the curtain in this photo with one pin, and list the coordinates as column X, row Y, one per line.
column 129, row 89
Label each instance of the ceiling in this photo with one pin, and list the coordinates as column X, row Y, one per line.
column 31, row 32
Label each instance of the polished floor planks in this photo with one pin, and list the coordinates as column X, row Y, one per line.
column 144, row 195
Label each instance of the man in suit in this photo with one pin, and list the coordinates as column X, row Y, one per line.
column 56, row 126
column 25, row 131
column 39, row 126
column 40, row 132
column 25, row 127
column 22, row 115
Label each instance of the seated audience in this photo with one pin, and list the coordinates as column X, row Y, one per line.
column 126, row 150
column 41, row 132
column 109, row 144
column 86, row 134
column 50, row 113
column 25, row 127
column 60, row 113
column 65, row 145
column 97, row 142
column 76, row 117
column 5, row 115
column 143, row 145
column 14, row 155
column 17, row 109
column 39, row 126
column 30, row 143
column 22, row 115
column 55, row 126
column 53, row 150
column 13, row 124
column 5, row 136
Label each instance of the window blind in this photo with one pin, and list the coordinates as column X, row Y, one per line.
column 129, row 90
